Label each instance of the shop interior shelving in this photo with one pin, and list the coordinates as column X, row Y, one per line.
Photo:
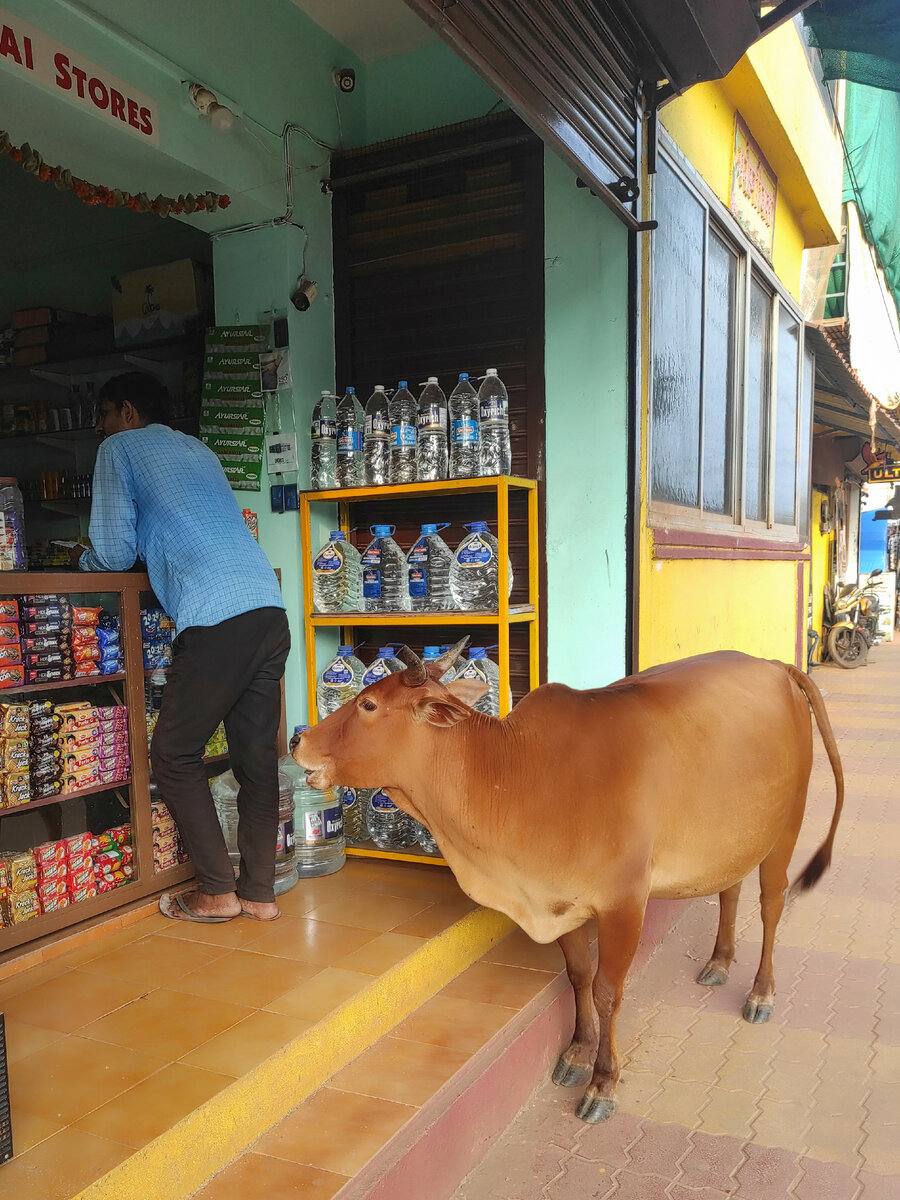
column 498, row 490
column 127, row 687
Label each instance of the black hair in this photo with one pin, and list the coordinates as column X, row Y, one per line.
column 144, row 392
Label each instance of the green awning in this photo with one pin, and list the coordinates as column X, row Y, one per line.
column 859, row 40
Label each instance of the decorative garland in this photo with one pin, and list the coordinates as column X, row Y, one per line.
column 97, row 194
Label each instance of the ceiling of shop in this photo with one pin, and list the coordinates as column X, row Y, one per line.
column 372, row 29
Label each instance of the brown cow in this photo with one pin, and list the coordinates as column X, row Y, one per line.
column 581, row 805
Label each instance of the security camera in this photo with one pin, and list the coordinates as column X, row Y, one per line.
column 345, row 79
column 305, row 291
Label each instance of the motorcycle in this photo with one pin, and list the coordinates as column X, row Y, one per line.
column 851, row 617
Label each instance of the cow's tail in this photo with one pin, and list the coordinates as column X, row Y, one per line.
column 821, row 860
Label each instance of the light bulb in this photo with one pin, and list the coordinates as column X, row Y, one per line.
column 220, row 117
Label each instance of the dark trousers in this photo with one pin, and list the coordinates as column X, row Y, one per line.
column 229, row 672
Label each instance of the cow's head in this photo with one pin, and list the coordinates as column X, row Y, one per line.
column 365, row 743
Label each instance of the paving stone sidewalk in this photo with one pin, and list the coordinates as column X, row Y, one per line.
column 805, row 1107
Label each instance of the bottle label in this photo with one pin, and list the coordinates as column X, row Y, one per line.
column 475, row 553
column 322, row 825
column 372, row 556
column 381, row 802
column 493, row 408
column 371, row 581
column 348, row 799
column 331, row 559
column 431, row 419
column 377, row 671
column 284, row 842
column 464, row 433
column 378, row 428
column 418, row 583
column 403, row 435
column 419, row 552
column 473, row 670
column 324, row 430
column 338, row 675
column 350, row 441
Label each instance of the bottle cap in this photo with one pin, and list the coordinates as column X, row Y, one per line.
column 464, row 377
column 491, row 371
column 379, row 387
column 382, row 530
column 428, row 529
column 432, row 379
column 385, row 651
column 324, row 392
column 337, row 535
column 402, row 383
column 351, row 391
column 344, row 651
column 477, row 652
column 430, row 653
column 477, row 527
column 300, row 729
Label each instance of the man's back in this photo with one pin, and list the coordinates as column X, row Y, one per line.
column 162, row 496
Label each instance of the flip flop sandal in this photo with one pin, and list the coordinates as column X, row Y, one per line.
column 254, row 917
column 174, row 907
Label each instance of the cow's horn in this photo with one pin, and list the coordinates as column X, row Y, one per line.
column 447, row 660
column 415, row 674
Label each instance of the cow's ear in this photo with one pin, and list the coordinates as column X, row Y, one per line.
column 442, row 711
column 470, row 691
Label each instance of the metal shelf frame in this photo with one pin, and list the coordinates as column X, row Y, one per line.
column 502, row 619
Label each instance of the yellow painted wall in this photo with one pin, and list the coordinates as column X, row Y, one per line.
column 698, row 605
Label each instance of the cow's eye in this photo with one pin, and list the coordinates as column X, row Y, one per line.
column 368, row 705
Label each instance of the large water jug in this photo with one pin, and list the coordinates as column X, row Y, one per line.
column 428, row 571
column 339, row 682
column 383, row 568
column 473, row 572
column 336, row 575
column 225, row 789
column 318, row 823
column 485, row 670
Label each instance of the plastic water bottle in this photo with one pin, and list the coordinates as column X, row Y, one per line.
column 336, row 575
column 377, row 446
column 424, row 837
column 323, row 444
column 383, row 568
column 493, row 421
column 473, row 571
column 354, row 802
column 485, row 670
column 390, row 828
column 351, row 424
column 385, row 664
column 318, row 824
column 428, row 571
column 339, row 682
column 225, row 789
column 431, row 422
column 403, row 411
column 465, row 449
column 432, row 654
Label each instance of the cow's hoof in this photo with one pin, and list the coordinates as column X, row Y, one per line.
column 712, row 976
column 566, row 1074
column 756, row 1012
column 595, row 1109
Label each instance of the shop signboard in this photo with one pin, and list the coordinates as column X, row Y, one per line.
column 888, row 472
column 754, row 189
column 47, row 62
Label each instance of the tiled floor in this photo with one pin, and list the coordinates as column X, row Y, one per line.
column 111, row 1044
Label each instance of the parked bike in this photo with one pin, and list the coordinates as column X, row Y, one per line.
column 851, row 618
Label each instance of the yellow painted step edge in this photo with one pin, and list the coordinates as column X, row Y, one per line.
column 180, row 1161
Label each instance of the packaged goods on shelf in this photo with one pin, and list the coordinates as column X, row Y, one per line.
column 18, row 888
column 168, row 850
column 93, row 741
column 157, row 635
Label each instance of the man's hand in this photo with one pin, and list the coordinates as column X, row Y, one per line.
column 75, row 555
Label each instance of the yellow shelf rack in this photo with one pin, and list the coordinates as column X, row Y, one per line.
column 502, row 619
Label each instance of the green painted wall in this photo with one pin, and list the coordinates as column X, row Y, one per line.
column 586, row 290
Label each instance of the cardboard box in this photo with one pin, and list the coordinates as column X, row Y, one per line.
column 161, row 303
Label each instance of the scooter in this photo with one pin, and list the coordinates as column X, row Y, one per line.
column 851, row 615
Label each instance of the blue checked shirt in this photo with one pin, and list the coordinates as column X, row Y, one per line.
column 162, row 496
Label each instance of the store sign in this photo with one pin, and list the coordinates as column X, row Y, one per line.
column 883, row 473
column 754, row 187
column 63, row 71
